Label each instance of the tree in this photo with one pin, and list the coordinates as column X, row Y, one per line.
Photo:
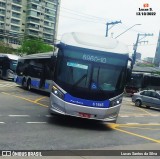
column 32, row 45
column 6, row 48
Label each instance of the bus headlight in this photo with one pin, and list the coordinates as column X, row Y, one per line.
column 116, row 101
column 57, row 92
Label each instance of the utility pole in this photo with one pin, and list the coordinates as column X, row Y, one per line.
column 112, row 23
column 136, row 45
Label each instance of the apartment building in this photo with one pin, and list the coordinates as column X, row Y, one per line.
column 19, row 18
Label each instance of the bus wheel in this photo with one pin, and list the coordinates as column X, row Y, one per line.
column 23, row 83
column 29, row 85
column 138, row 103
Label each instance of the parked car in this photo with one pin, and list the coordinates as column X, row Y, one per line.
column 149, row 98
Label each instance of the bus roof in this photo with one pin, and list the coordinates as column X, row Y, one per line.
column 38, row 56
column 10, row 56
column 93, row 42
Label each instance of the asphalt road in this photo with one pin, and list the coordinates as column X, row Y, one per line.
column 25, row 124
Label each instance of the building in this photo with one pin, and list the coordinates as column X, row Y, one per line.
column 157, row 54
column 19, row 18
column 149, row 60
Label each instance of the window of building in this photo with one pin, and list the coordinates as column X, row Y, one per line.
column 15, row 28
column 34, row 6
column 48, row 30
column 47, row 17
column 16, row 8
column 2, row 18
column 48, row 24
column 17, row 1
column 2, row 4
column 31, row 19
column 50, row 5
column 14, row 41
column 17, row 15
column 15, row 21
column 34, row 13
column 2, row 11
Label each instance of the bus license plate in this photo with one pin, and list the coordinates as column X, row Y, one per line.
column 84, row 115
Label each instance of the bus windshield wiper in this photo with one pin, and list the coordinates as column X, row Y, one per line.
column 80, row 80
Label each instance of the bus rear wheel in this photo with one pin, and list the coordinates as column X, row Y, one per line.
column 29, row 85
column 138, row 103
column 23, row 83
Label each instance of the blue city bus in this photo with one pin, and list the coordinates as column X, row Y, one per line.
column 35, row 71
column 8, row 64
column 89, row 78
column 141, row 81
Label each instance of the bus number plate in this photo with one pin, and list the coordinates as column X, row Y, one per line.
column 84, row 115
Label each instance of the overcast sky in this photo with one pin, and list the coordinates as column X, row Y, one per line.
column 91, row 16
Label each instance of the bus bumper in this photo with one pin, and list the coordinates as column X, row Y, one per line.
column 58, row 106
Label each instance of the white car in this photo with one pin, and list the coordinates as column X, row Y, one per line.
column 149, row 98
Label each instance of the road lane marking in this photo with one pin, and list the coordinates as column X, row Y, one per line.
column 36, row 122
column 124, row 116
column 37, row 100
column 137, row 135
column 133, row 127
column 132, row 123
column 19, row 115
column 142, row 109
column 2, row 122
column 49, row 116
column 31, row 101
column 115, row 127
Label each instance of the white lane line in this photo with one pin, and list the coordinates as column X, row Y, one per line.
column 155, row 115
column 2, row 122
column 18, row 115
column 49, row 116
column 153, row 123
column 138, row 116
column 36, row 122
column 124, row 116
column 132, row 123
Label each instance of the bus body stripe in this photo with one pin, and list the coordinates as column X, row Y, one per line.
column 85, row 102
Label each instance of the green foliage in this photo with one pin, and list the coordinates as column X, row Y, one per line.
column 145, row 65
column 6, row 48
column 32, row 45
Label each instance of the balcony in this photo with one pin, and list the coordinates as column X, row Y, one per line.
column 19, row 2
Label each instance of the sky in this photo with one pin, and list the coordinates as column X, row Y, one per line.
column 91, row 16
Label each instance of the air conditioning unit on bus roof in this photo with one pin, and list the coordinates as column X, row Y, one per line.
column 94, row 42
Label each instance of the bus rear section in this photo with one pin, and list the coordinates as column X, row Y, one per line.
column 35, row 71
column 8, row 64
column 89, row 78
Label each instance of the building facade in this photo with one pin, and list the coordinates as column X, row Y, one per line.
column 19, row 18
column 157, row 54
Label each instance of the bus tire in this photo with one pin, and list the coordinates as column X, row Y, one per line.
column 29, row 85
column 138, row 103
column 23, row 83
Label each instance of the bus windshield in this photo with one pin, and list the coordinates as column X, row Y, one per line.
column 13, row 65
column 93, row 73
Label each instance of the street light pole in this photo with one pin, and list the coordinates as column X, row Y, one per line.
column 112, row 23
column 126, row 30
column 136, row 45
